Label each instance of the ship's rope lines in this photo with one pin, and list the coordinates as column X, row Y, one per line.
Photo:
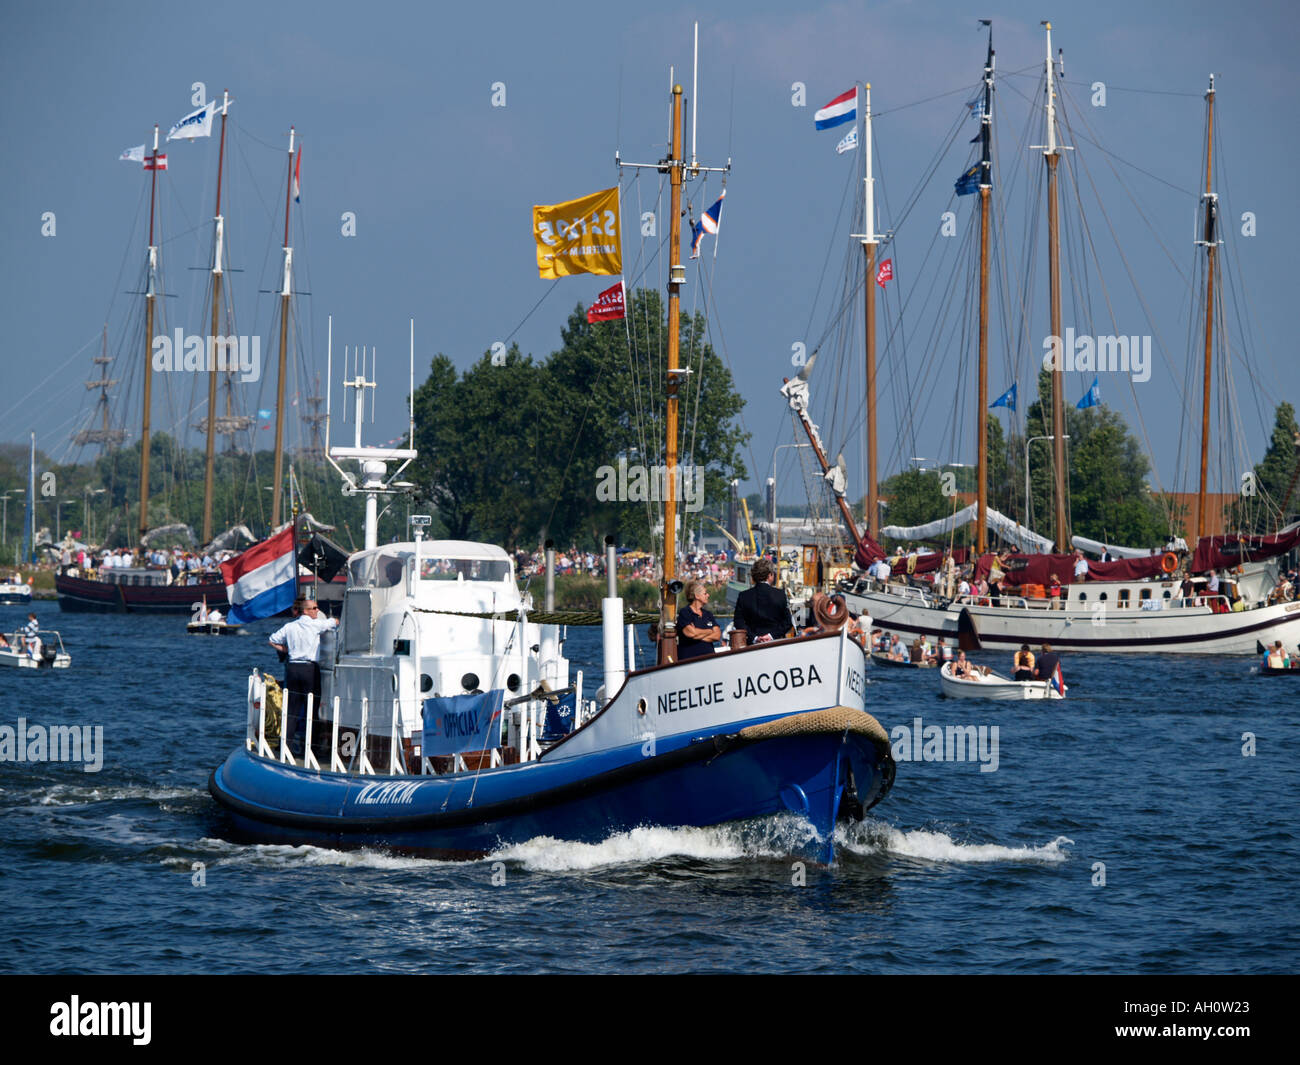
column 640, row 389
column 726, row 361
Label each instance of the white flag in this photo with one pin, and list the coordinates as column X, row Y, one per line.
column 848, row 143
column 133, row 155
column 195, row 124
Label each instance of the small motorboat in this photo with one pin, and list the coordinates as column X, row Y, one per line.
column 214, row 628
column 879, row 658
column 50, row 656
column 986, row 684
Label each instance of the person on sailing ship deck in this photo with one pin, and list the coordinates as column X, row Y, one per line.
column 697, row 629
column 300, row 640
column 763, row 610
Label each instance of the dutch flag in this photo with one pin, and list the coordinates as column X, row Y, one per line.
column 1058, row 681
column 844, row 108
column 262, row 581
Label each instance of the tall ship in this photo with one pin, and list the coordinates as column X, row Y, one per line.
column 148, row 588
column 1218, row 596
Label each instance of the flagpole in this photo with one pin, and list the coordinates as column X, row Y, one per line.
column 1210, row 243
column 286, row 291
column 986, row 188
column 871, row 505
column 217, row 250
column 150, row 293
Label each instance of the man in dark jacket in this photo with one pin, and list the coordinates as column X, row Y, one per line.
column 1048, row 661
column 763, row 611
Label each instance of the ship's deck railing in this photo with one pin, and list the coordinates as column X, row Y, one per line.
column 349, row 749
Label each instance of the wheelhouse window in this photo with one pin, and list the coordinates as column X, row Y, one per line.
column 468, row 569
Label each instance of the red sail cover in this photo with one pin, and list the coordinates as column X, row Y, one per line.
column 868, row 551
column 1224, row 552
column 609, row 304
column 1038, row 569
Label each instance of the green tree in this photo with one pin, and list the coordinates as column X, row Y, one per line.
column 1265, row 505
column 914, row 497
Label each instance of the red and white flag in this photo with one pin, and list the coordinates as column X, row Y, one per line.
column 155, row 162
column 885, row 273
column 609, row 304
column 297, row 170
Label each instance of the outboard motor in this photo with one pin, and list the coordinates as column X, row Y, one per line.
column 48, row 654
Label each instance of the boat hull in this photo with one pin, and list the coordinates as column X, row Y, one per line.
column 78, row 594
column 704, row 781
column 995, row 687
column 1114, row 632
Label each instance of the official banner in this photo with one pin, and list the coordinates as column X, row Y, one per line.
column 579, row 236
column 609, row 304
column 457, row 723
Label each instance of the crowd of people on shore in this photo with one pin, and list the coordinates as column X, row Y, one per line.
column 713, row 569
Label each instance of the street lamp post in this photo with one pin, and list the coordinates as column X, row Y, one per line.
column 1028, row 506
column 4, row 522
column 86, row 493
column 778, row 447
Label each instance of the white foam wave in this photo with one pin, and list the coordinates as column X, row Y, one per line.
column 72, row 795
column 867, row 838
column 771, row 838
column 274, row 854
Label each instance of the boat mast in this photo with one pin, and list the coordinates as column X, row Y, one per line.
column 1211, row 205
column 285, row 292
column 986, row 189
column 150, row 292
column 676, row 278
column 217, row 242
column 871, row 505
column 1052, row 154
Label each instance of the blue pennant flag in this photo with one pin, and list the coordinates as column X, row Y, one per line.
column 1007, row 399
column 1091, row 398
column 969, row 182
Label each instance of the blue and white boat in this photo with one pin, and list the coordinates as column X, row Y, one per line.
column 451, row 722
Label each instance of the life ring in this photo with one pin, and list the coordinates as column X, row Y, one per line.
column 831, row 612
column 1169, row 563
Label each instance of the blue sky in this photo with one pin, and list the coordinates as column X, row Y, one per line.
column 393, row 104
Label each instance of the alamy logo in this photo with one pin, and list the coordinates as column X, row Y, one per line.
column 195, row 354
column 102, row 1018
column 1108, row 354
column 53, row 743
column 951, row 743
column 642, row 484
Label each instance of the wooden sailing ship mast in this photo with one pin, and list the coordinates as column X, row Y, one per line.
column 150, row 295
column 1210, row 207
column 218, row 242
column 286, row 290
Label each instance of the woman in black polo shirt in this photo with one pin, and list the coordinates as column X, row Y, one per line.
column 697, row 630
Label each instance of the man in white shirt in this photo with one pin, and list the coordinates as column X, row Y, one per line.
column 300, row 640
column 1080, row 566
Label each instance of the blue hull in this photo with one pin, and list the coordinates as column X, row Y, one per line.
column 696, row 781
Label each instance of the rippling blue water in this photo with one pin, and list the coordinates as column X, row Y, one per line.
column 957, row 871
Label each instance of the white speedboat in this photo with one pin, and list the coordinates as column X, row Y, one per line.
column 985, row 684
column 50, row 656
column 14, row 592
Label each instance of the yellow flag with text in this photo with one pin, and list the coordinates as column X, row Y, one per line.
column 579, row 236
